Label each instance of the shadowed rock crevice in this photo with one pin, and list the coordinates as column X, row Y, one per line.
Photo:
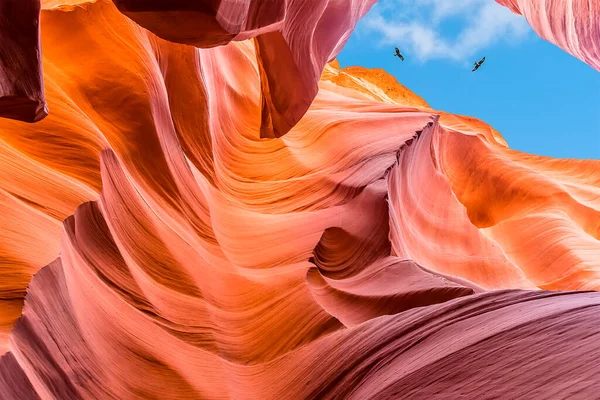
column 21, row 80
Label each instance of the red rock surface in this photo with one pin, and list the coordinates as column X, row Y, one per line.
column 359, row 256
column 573, row 25
column 294, row 40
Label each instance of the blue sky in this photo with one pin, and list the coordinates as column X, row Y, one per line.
column 541, row 99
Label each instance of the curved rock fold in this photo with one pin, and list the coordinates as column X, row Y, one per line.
column 214, row 209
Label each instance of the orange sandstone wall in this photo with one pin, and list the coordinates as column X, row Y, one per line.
column 216, row 224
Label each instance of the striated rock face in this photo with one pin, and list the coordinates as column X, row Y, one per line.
column 294, row 38
column 358, row 256
column 572, row 25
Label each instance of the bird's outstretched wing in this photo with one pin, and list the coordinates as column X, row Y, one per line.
column 477, row 64
column 397, row 50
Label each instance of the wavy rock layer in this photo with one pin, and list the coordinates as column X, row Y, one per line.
column 350, row 258
column 293, row 38
column 572, row 25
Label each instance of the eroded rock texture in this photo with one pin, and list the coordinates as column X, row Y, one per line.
column 573, row 25
column 294, row 40
column 380, row 249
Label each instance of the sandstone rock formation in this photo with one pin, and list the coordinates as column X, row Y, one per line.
column 379, row 249
column 21, row 81
column 573, row 25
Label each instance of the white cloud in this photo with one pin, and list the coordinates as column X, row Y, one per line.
column 418, row 27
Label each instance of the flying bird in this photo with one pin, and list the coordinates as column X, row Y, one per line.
column 398, row 54
column 477, row 64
